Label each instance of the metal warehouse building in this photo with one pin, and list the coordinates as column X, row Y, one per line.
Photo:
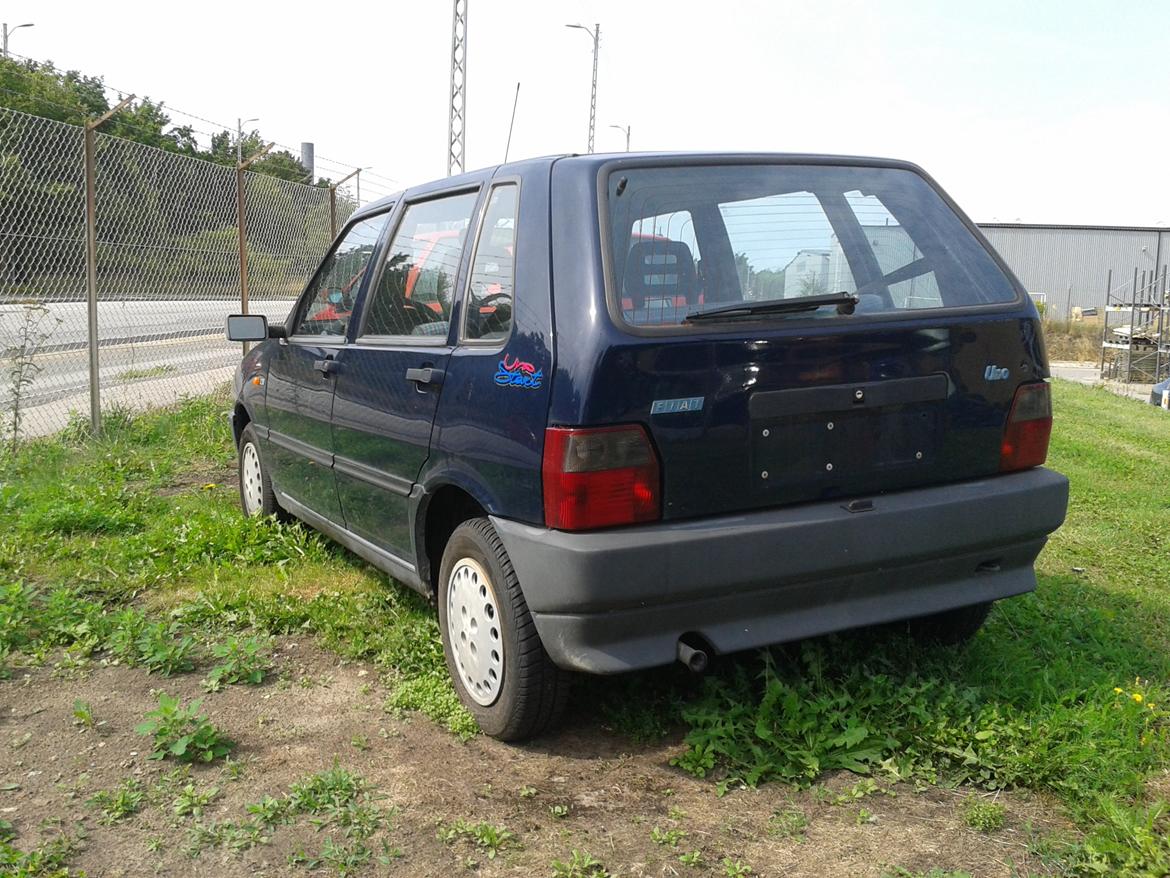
column 1068, row 266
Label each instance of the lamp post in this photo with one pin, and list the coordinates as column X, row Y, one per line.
column 595, row 35
column 240, row 123
column 7, row 31
column 626, row 131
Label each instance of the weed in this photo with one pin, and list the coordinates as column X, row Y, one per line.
column 676, row 813
column 161, row 651
column 22, row 352
column 7, row 831
column 735, row 868
column 270, row 810
column 788, row 823
column 154, row 844
column 486, row 836
column 984, row 816
column 83, row 714
column 234, row 769
column 50, row 860
column 899, row 872
column 183, row 733
column 864, row 817
column 667, row 837
column 241, row 660
column 527, row 792
column 360, row 742
column 191, row 801
column 579, row 865
column 558, row 812
column 694, row 858
column 433, row 695
column 326, row 791
column 119, row 803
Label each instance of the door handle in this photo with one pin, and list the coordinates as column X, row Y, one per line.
column 429, row 375
column 327, row 366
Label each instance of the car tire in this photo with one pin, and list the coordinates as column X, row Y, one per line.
column 500, row 668
column 950, row 627
column 256, row 494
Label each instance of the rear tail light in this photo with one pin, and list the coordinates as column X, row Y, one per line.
column 1025, row 438
column 599, row 477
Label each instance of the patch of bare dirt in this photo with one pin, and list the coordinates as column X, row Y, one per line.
column 320, row 712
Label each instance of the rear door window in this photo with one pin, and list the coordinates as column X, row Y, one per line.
column 488, row 314
column 416, row 283
column 687, row 239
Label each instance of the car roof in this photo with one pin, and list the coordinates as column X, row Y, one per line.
column 588, row 165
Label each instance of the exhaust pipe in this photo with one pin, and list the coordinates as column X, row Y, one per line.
column 695, row 659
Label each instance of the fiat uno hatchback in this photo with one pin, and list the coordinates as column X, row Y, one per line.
column 613, row 411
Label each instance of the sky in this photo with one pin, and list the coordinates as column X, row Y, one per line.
column 1040, row 111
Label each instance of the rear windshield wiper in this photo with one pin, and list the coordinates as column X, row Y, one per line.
column 845, row 303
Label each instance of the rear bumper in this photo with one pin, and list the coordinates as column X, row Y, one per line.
column 618, row 600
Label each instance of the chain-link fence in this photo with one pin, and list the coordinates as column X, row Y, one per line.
column 167, row 269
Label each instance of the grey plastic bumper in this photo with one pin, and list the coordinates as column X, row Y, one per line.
column 618, row 600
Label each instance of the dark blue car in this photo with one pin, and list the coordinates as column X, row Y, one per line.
column 613, row 411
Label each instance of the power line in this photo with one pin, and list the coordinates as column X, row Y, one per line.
column 171, row 109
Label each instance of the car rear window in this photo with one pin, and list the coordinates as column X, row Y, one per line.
column 686, row 239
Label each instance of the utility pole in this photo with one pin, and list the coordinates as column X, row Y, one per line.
column 457, row 118
column 7, row 31
column 595, row 34
column 626, row 131
column 240, row 123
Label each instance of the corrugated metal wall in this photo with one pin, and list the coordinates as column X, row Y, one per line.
column 1069, row 264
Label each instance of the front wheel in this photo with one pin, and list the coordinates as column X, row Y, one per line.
column 256, row 494
column 501, row 671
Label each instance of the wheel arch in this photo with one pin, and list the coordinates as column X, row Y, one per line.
column 442, row 508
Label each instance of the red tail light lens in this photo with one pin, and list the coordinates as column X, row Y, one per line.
column 599, row 477
column 1029, row 426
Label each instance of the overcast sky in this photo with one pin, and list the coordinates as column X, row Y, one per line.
column 1041, row 111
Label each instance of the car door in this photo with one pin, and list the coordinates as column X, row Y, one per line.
column 389, row 380
column 299, row 392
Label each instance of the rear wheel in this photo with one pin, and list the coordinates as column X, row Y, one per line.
column 500, row 668
column 256, row 494
column 950, row 627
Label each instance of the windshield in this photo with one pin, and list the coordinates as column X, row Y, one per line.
column 690, row 239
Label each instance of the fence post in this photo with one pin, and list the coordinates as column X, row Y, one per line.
column 333, row 204
column 91, row 292
column 242, row 229
column 332, row 213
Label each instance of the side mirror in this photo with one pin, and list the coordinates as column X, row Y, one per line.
column 247, row 327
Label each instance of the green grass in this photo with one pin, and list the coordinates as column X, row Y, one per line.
column 146, row 372
column 131, row 546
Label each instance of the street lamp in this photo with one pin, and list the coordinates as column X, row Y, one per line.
column 8, row 30
column 240, row 123
column 595, row 34
column 626, row 130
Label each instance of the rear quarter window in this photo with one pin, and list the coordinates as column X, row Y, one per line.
column 685, row 239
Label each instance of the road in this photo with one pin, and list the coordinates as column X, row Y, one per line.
column 150, row 353
column 132, row 320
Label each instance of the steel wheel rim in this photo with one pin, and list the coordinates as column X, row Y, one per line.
column 251, row 480
column 474, row 631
